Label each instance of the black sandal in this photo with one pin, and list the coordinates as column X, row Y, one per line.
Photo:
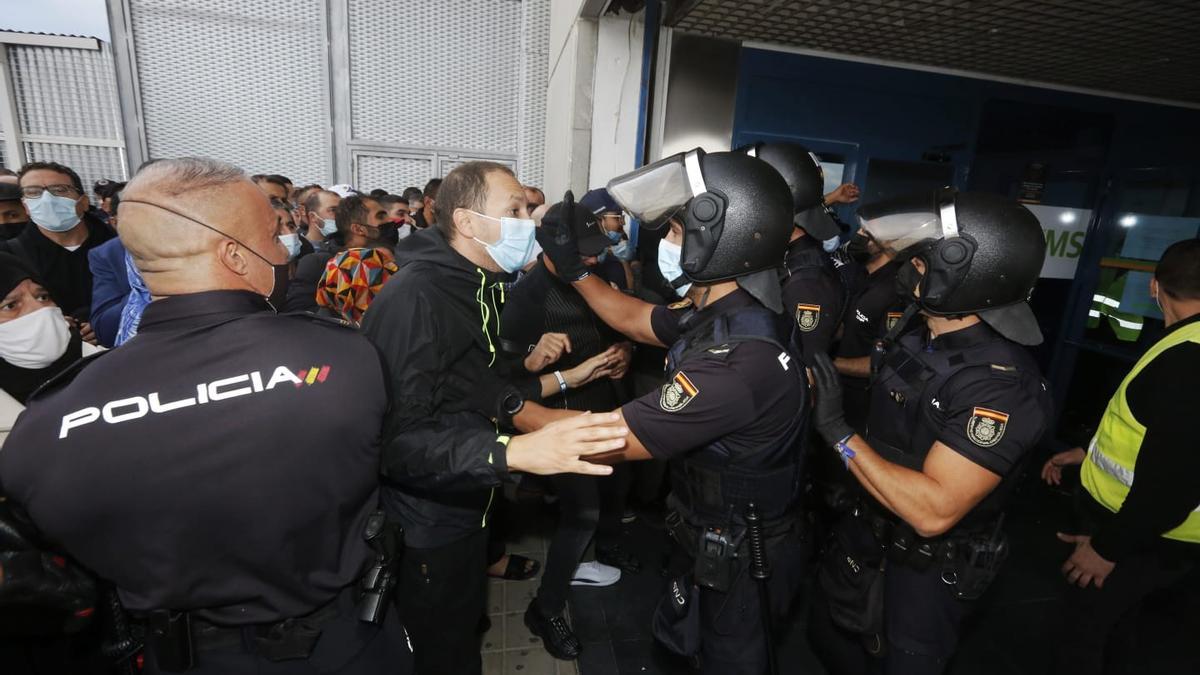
column 519, row 568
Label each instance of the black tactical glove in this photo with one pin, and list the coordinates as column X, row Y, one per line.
column 828, row 414
column 557, row 239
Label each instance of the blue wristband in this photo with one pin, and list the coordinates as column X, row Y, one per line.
column 844, row 450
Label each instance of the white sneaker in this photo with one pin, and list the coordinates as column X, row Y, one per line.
column 596, row 575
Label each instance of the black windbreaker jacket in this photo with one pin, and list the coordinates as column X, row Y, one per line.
column 437, row 322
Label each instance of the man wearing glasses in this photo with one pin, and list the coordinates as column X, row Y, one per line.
column 57, row 248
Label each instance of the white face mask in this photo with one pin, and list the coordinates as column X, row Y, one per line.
column 35, row 340
column 514, row 249
column 328, row 227
column 669, row 255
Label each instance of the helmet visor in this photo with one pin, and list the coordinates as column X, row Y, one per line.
column 655, row 192
column 901, row 222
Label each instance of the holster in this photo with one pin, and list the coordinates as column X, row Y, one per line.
column 720, row 551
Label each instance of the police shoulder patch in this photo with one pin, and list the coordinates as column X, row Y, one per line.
column 892, row 318
column 682, row 304
column 986, row 427
column 677, row 393
column 807, row 317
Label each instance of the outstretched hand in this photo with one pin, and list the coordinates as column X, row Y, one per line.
column 561, row 446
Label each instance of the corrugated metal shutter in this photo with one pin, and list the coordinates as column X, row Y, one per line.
column 67, row 109
column 243, row 82
column 392, row 172
column 436, row 73
column 535, row 73
column 460, row 79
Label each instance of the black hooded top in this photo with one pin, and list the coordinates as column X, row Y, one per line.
column 437, row 325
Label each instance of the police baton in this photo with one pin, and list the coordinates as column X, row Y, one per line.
column 760, row 572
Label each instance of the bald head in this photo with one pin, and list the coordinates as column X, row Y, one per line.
column 161, row 211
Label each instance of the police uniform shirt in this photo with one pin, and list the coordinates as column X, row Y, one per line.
column 871, row 315
column 812, row 294
column 224, row 460
column 992, row 412
column 747, row 396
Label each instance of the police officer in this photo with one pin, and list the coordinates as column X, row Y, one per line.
column 813, row 293
column 873, row 309
column 175, row 467
column 954, row 411
column 730, row 413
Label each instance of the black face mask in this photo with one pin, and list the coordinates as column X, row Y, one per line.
column 859, row 249
column 389, row 233
column 907, row 281
column 279, row 290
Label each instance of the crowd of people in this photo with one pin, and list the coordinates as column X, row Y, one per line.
column 847, row 404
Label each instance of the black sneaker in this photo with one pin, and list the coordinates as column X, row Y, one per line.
column 556, row 634
column 615, row 556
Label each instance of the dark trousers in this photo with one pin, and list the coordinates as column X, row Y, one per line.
column 614, row 494
column 579, row 511
column 731, row 627
column 347, row 646
column 1100, row 624
column 442, row 595
column 922, row 618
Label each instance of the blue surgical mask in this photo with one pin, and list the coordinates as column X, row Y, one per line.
column 668, row 264
column 830, row 245
column 328, row 227
column 622, row 250
column 56, row 214
column 514, row 250
column 614, row 237
column 292, row 243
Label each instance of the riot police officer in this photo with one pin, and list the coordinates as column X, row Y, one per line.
column 873, row 309
column 954, row 410
column 732, row 409
column 813, row 294
column 175, row 466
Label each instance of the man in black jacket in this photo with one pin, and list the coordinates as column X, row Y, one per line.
column 437, row 325
column 66, row 231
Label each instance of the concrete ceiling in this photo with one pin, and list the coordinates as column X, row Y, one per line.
column 1137, row 48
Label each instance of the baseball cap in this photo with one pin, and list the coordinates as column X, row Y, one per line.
column 598, row 201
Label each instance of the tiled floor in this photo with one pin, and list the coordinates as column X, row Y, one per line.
column 508, row 647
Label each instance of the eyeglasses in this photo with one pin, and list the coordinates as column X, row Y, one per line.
column 61, row 190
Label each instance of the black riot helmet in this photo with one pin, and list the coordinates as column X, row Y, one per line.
column 735, row 209
column 982, row 254
column 802, row 171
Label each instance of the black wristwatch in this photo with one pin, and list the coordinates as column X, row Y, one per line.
column 511, row 404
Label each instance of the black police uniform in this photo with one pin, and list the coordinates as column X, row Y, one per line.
column 177, row 468
column 730, row 417
column 813, row 294
column 982, row 396
column 867, row 319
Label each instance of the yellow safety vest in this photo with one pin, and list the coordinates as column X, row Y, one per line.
column 1107, row 472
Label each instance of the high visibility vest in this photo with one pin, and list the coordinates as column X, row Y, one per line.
column 1107, row 471
column 1106, row 302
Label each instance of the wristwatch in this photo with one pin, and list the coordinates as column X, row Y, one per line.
column 512, row 403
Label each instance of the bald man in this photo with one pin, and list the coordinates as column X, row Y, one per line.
column 221, row 467
column 175, row 468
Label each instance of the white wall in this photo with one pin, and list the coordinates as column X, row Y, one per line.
column 617, row 89
column 569, row 112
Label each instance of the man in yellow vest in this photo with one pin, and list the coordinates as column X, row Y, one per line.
column 1141, row 473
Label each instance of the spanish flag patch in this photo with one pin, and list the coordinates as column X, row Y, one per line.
column 677, row 393
column 986, row 426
